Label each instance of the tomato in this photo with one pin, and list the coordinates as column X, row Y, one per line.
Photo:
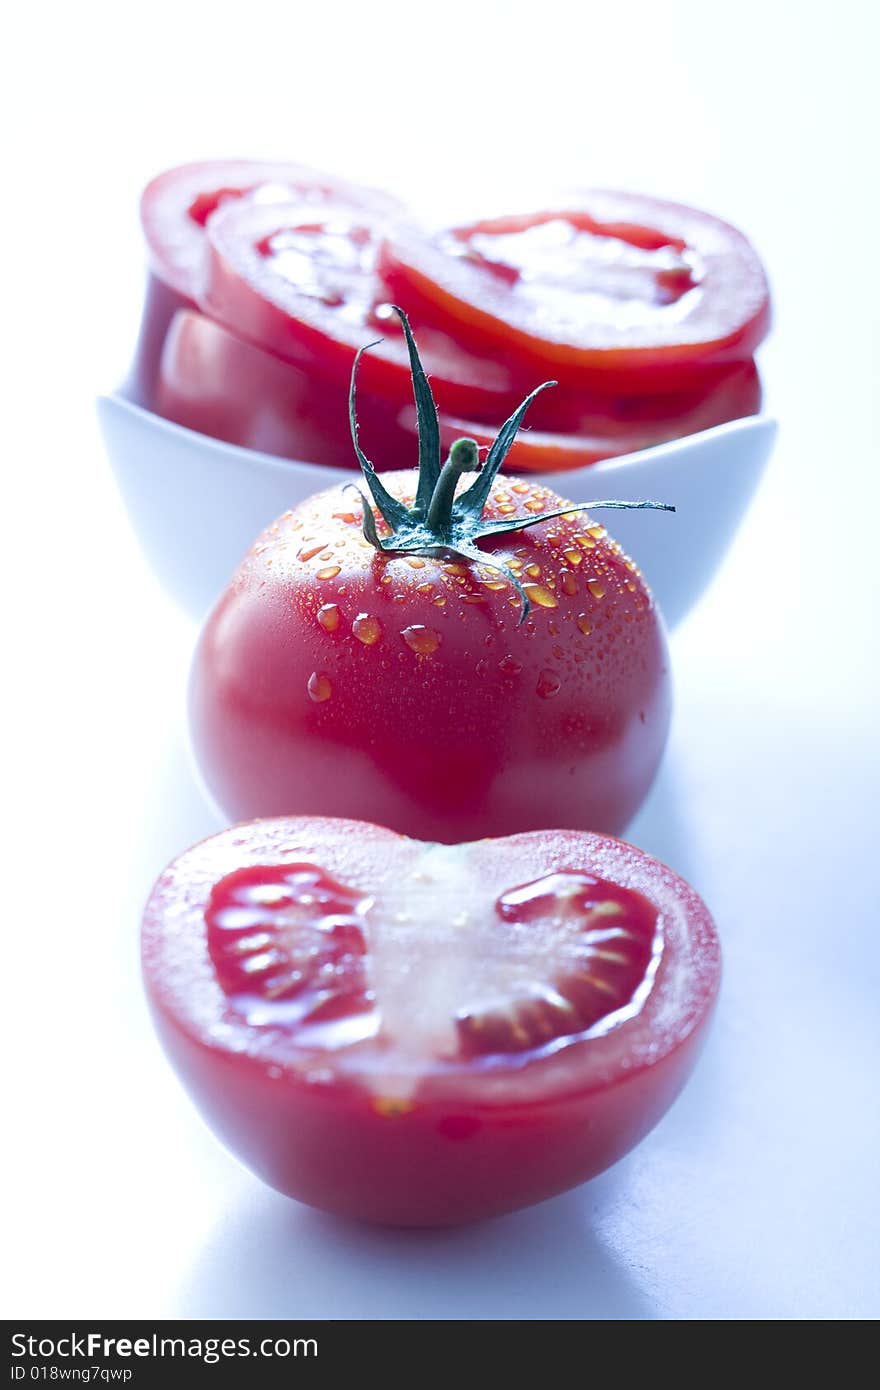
column 456, row 675
column 217, row 383
column 630, row 290
column 176, row 206
column 421, row 1034
column 605, row 427
column 301, row 281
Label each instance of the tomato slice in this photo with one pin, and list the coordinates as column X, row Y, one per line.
column 605, row 427
column 301, row 281
column 176, row 206
column 625, row 287
column 212, row 381
column 421, row 1033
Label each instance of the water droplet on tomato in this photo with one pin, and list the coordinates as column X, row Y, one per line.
column 568, row 582
column 329, row 572
column 367, row 629
column 422, row 640
column 596, row 588
column 319, row 687
column 574, row 557
column 509, row 666
column 328, row 617
column 548, row 685
column 539, row 594
column 309, row 551
column 584, row 624
column 533, row 571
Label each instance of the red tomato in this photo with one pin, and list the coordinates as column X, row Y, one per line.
column 602, row 428
column 421, row 1034
column 334, row 680
column 212, row 381
column 449, row 663
column 633, row 291
column 301, row 281
column 215, row 382
column 176, row 205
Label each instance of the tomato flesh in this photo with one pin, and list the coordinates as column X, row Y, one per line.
column 289, row 939
column 629, row 290
column 602, row 935
column 305, row 287
column 177, row 204
column 393, row 1105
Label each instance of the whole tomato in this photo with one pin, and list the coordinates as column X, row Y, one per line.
column 451, row 663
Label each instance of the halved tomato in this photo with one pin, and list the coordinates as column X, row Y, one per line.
column 634, row 291
column 301, row 281
column 425, row 1034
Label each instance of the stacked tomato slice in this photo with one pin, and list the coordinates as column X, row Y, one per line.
column 267, row 279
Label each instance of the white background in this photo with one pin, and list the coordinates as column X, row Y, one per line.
column 757, row 1196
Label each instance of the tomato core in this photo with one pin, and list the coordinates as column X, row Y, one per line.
column 616, row 270
column 561, row 958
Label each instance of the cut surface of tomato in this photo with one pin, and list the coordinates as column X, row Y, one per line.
column 631, row 288
column 419, row 1033
column 301, row 281
column 176, row 206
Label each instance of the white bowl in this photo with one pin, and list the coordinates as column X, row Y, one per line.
column 196, row 504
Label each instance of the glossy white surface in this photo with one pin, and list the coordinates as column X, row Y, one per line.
column 757, row 1196
column 196, row 504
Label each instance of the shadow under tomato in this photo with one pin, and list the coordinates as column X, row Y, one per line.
column 278, row 1259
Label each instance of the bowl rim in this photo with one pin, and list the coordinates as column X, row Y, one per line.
column 746, row 424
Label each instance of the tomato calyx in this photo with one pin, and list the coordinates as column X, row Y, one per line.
column 439, row 522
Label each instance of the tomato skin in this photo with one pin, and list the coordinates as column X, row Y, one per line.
column 726, row 310
column 601, row 428
column 459, row 1151
column 443, row 1164
column 212, row 381
column 493, row 729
